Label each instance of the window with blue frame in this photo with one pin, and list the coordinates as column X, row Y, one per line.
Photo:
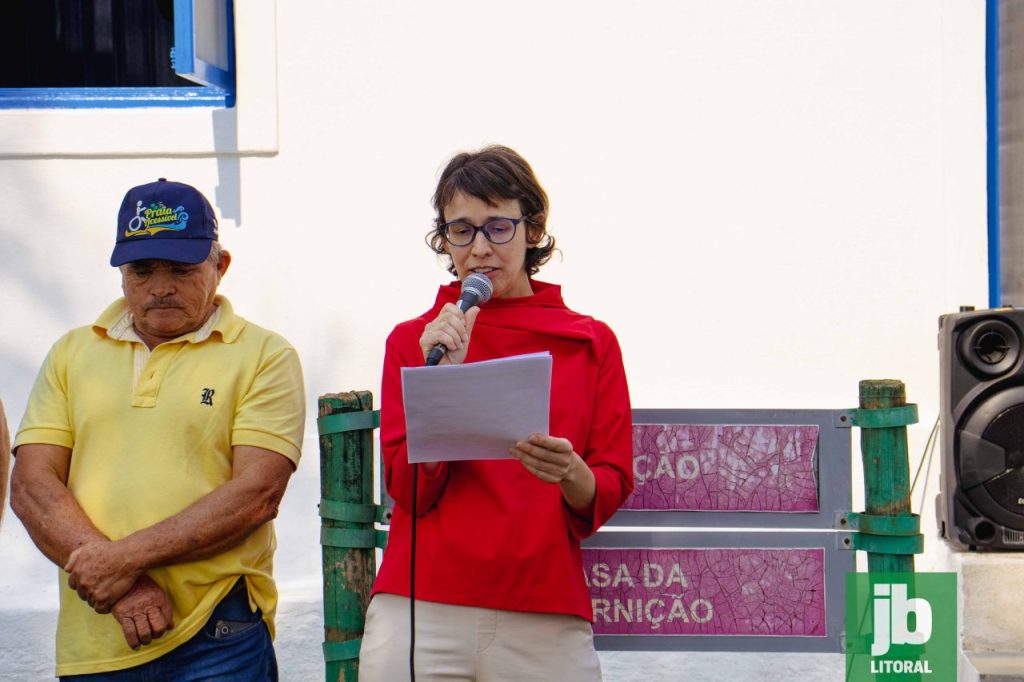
column 117, row 53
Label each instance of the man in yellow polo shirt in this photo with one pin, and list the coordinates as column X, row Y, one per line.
column 153, row 454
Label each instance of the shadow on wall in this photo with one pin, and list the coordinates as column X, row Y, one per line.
column 228, row 194
column 47, row 297
column 15, row 373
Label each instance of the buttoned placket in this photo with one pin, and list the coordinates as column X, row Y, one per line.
column 150, row 366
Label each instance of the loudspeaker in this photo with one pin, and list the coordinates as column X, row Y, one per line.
column 981, row 485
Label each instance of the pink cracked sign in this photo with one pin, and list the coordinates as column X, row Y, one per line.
column 719, row 467
column 772, row 592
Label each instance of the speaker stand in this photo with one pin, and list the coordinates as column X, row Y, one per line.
column 990, row 602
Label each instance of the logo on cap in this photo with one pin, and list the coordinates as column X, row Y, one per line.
column 155, row 218
column 164, row 220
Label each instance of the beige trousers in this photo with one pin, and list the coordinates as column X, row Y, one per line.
column 471, row 643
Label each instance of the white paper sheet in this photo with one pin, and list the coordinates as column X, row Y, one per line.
column 476, row 410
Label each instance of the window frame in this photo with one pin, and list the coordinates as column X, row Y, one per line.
column 248, row 129
column 215, row 87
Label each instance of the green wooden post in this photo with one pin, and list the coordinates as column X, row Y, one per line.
column 889, row 532
column 347, row 534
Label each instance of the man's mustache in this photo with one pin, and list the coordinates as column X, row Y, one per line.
column 162, row 303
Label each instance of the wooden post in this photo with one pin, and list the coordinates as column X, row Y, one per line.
column 886, row 468
column 347, row 512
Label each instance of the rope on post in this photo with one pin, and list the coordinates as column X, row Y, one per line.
column 887, row 530
column 347, row 421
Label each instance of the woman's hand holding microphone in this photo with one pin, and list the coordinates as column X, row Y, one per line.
column 451, row 328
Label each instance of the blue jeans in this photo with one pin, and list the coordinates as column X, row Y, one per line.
column 233, row 646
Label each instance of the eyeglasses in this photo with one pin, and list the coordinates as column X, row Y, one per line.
column 496, row 231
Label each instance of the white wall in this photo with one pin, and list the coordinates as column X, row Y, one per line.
column 767, row 201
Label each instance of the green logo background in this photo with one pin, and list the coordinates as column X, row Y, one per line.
column 940, row 651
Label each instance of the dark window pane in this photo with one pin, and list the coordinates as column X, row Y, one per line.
column 87, row 43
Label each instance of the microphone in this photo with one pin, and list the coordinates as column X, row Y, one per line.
column 476, row 290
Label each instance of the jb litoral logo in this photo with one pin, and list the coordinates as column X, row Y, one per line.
column 893, row 610
column 901, row 626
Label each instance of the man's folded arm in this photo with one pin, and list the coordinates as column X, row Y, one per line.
column 41, row 499
column 58, row 526
column 220, row 520
column 214, row 523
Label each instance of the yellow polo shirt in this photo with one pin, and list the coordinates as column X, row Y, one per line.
column 151, row 433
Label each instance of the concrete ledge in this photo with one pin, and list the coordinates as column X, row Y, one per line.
column 991, row 597
column 991, row 632
column 994, row 666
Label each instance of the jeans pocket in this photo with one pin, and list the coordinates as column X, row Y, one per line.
column 229, row 629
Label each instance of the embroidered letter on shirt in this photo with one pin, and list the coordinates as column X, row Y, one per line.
column 207, row 397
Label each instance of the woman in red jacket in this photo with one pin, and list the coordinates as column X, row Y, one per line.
column 500, row 593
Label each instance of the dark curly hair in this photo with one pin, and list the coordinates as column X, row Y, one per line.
column 494, row 174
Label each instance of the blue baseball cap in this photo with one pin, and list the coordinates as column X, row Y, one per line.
column 164, row 220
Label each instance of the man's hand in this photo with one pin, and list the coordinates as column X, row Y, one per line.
column 100, row 574
column 144, row 613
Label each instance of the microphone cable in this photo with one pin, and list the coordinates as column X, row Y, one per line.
column 412, row 578
column 476, row 290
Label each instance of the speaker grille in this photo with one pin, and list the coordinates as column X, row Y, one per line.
column 990, row 347
column 1013, row 537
